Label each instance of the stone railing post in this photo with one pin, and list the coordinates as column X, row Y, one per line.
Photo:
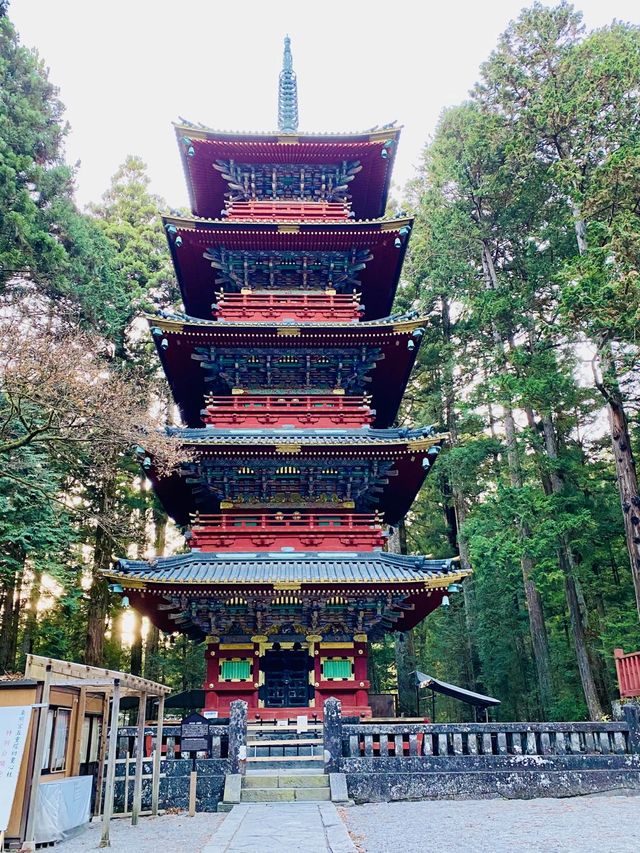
column 332, row 733
column 632, row 717
column 238, row 737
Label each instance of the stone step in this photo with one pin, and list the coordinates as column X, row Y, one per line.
column 291, row 727
column 286, row 780
column 284, row 795
column 264, row 758
column 286, row 742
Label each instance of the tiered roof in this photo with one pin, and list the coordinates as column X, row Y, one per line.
column 288, row 223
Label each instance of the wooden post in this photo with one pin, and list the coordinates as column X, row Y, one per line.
column 81, row 708
column 30, row 829
column 102, row 752
column 193, row 781
column 157, row 757
column 107, row 809
column 137, row 779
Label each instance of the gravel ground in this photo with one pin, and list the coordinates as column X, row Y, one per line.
column 175, row 833
column 572, row 825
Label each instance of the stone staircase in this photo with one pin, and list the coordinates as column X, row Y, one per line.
column 285, row 764
column 281, row 747
column 285, row 787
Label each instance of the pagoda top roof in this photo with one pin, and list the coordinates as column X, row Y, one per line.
column 271, row 569
column 199, row 131
column 201, row 147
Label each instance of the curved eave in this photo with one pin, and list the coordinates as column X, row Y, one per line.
column 207, row 188
column 384, row 325
column 213, row 134
column 291, row 226
column 343, row 442
column 410, row 584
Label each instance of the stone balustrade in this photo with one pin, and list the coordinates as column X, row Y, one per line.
column 405, row 760
column 446, row 739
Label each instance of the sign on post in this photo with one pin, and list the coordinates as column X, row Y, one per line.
column 14, row 725
column 194, row 734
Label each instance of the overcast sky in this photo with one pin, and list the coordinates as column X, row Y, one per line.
column 127, row 68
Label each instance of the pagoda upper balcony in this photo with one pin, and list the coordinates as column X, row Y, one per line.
column 291, row 209
column 317, row 410
column 299, row 531
column 328, row 306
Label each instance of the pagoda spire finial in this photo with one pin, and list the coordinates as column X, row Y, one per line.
column 287, row 93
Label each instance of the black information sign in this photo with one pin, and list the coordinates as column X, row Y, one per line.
column 194, row 734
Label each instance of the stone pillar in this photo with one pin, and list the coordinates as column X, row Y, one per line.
column 238, row 736
column 632, row 717
column 332, row 733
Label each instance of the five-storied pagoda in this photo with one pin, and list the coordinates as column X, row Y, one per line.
column 288, row 368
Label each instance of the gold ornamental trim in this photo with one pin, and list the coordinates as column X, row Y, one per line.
column 288, row 448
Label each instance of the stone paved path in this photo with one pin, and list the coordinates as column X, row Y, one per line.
column 575, row 825
column 282, row 828
column 572, row 825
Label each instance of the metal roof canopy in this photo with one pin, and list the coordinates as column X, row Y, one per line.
column 66, row 673
column 478, row 699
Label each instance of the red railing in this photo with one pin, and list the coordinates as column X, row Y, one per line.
column 628, row 670
column 309, row 211
column 338, row 307
column 238, row 531
column 319, row 410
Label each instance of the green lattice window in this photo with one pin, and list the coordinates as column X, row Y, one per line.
column 337, row 668
column 235, row 670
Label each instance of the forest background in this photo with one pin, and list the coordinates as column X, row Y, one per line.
column 524, row 260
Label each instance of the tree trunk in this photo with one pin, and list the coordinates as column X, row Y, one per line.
column 459, row 506
column 626, row 471
column 405, row 653
column 534, row 602
column 627, row 477
column 31, row 619
column 552, row 483
column 98, row 608
column 136, row 646
column 10, row 623
column 152, row 667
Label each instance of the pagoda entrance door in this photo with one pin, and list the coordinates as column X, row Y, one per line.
column 286, row 678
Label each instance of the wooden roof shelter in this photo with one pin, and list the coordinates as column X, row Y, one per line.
column 113, row 685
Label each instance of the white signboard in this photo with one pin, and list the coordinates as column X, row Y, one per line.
column 14, row 725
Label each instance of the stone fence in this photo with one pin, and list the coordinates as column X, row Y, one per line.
column 396, row 761
column 226, row 754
